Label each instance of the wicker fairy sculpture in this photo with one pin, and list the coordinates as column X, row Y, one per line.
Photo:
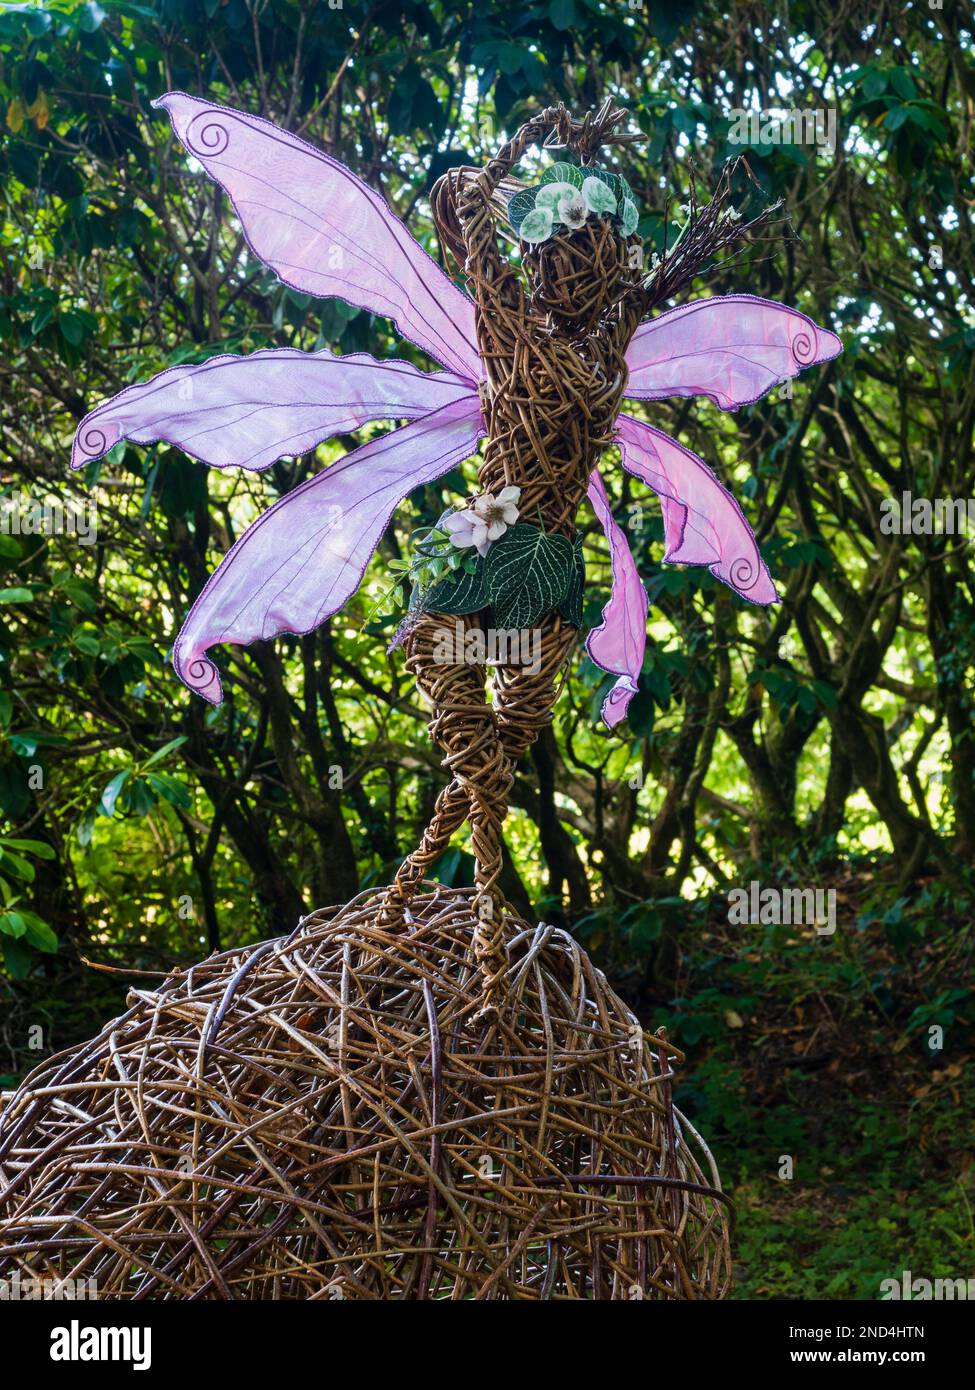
column 419, row 1095
column 540, row 369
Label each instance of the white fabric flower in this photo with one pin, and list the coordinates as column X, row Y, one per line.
column 485, row 520
column 501, row 510
column 573, row 211
column 466, row 528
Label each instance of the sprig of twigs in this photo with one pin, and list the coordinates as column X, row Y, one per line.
column 709, row 230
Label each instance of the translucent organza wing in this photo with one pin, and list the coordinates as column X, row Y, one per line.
column 617, row 645
column 250, row 411
column 323, row 231
column 304, row 557
column 732, row 348
column 703, row 524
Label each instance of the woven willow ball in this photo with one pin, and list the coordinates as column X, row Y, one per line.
column 317, row 1118
column 577, row 276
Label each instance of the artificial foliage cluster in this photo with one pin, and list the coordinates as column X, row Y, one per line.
column 566, row 196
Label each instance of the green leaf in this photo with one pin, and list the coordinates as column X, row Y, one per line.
column 528, row 573
column 85, row 829
column 466, row 593
column 139, row 797
column 72, row 328
column 143, row 649
column 903, row 83
column 39, row 934
column 874, row 84
column 563, row 173
column 14, row 792
column 111, row 793
column 562, row 14
column 170, row 789
column 91, row 17
column 17, row 958
column 80, row 595
column 16, row 595
column 825, row 694
column 520, row 204
column 510, row 57
column 160, row 753
column 13, row 924
column 38, row 847
column 641, row 714
column 570, row 608
column 13, row 864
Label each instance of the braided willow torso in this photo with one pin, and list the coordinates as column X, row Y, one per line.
column 550, row 400
column 554, row 369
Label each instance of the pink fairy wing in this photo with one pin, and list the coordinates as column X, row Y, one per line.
column 323, row 231
column 732, row 348
column 618, row 643
column 703, row 524
column 305, row 556
column 249, row 411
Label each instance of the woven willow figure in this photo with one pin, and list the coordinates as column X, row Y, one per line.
column 555, row 369
column 417, row 1095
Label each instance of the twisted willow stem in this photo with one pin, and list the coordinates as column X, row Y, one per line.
column 481, row 745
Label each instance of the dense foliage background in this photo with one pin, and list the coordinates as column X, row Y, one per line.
column 825, row 743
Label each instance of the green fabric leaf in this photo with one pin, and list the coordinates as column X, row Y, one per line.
column 570, row 607
column 528, row 572
column 520, row 205
column 563, row 173
column 465, row 593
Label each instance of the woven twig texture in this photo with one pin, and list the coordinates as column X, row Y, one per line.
column 316, row 1118
column 552, row 343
